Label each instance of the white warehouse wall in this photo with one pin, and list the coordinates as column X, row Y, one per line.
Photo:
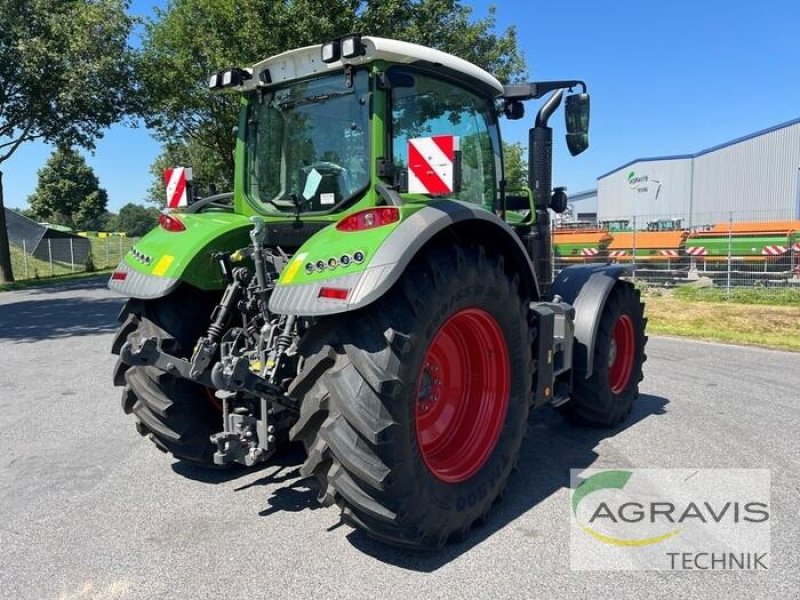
column 646, row 189
column 756, row 177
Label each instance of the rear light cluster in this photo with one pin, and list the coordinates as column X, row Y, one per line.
column 170, row 223
column 369, row 219
column 141, row 256
column 344, row 260
column 332, row 293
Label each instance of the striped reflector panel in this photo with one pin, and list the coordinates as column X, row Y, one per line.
column 175, row 180
column 430, row 164
column 774, row 250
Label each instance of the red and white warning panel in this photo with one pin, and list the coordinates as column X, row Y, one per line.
column 589, row 252
column 696, row 251
column 176, row 180
column 431, row 164
column 618, row 253
column 774, row 250
column 669, row 253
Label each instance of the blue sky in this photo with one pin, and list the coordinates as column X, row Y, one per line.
column 665, row 78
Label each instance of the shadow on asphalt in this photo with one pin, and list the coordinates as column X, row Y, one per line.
column 552, row 448
column 283, row 467
column 287, row 460
column 47, row 318
column 89, row 283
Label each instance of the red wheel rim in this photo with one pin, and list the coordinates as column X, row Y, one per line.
column 620, row 355
column 462, row 395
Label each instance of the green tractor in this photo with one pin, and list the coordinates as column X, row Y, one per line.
column 372, row 290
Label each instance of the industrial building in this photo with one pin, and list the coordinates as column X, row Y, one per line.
column 583, row 206
column 752, row 178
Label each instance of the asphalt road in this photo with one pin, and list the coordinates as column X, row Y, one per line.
column 88, row 509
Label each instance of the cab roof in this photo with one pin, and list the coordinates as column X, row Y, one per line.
column 304, row 62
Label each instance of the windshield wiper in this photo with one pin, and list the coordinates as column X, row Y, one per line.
column 309, row 100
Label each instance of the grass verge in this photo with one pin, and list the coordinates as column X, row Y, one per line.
column 707, row 318
column 751, row 295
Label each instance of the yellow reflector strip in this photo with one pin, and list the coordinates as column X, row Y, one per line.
column 163, row 264
column 292, row 269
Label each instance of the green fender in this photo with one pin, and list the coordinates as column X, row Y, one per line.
column 316, row 282
column 162, row 259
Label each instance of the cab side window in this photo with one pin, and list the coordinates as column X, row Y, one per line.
column 434, row 107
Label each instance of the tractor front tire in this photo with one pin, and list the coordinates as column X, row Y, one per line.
column 606, row 398
column 414, row 408
column 178, row 416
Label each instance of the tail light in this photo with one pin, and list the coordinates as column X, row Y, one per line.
column 369, row 219
column 334, row 293
column 170, row 223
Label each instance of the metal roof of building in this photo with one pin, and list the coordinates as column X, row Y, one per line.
column 733, row 142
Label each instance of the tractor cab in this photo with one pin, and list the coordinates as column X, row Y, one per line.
column 323, row 125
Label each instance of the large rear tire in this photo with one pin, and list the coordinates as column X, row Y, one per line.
column 177, row 415
column 606, row 398
column 414, row 408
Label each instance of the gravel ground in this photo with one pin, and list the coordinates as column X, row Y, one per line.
column 92, row 510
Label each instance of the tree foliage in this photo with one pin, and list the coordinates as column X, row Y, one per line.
column 66, row 74
column 68, row 192
column 192, row 39
column 136, row 220
column 515, row 166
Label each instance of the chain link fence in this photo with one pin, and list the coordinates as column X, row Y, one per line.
column 743, row 249
column 38, row 258
column 728, row 250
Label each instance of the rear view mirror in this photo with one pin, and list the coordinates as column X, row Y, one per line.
column 577, row 122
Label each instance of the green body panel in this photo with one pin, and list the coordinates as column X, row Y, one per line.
column 740, row 245
column 188, row 254
column 330, row 245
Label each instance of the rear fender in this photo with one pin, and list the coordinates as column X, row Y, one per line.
column 162, row 259
column 387, row 250
column 586, row 288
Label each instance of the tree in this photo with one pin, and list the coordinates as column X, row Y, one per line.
column 192, row 39
column 515, row 166
column 68, row 192
column 66, row 74
column 136, row 220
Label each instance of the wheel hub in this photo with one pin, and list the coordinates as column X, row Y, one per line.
column 621, row 352
column 430, row 387
column 612, row 353
column 462, row 395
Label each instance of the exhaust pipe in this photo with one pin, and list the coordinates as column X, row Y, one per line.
column 540, row 181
